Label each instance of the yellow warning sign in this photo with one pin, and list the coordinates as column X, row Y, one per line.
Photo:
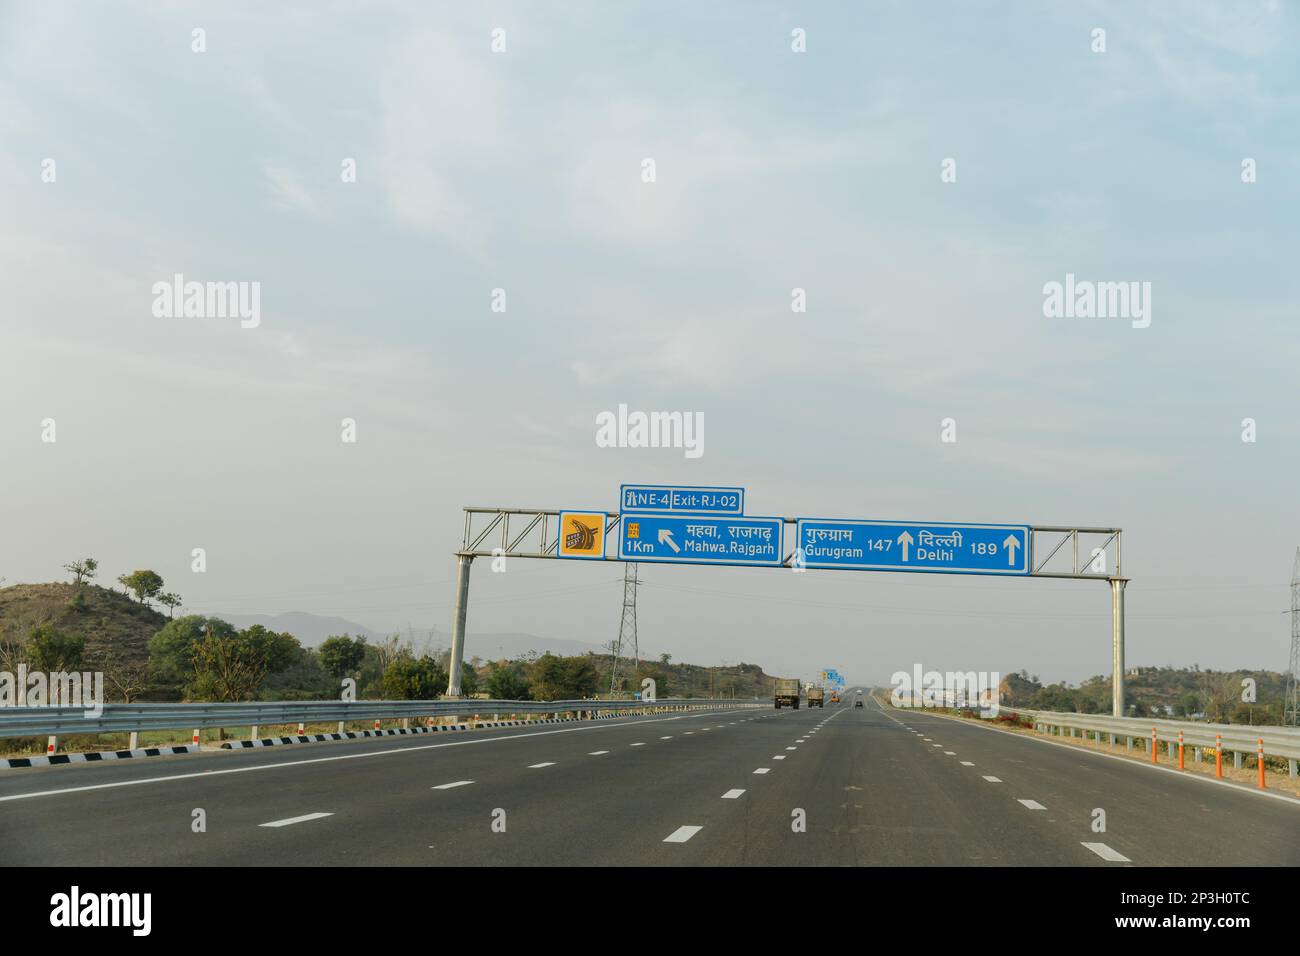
column 582, row 534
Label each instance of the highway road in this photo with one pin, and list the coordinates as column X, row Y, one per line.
column 872, row 786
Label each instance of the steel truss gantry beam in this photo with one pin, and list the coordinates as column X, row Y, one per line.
column 1094, row 554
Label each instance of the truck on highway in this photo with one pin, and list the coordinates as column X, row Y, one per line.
column 787, row 692
column 816, row 697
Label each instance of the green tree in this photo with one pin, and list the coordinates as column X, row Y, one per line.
column 303, row 679
column 342, row 655
column 233, row 668
column 506, row 681
column 50, row 649
column 171, row 650
column 468, row 679
column 561, row 678
column 145, row 584
column 414, row 679
column 82, row 570
column 170, row 601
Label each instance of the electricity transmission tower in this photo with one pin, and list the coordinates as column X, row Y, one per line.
column 1291, row 714
column 627, row 626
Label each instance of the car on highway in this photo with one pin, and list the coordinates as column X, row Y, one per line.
column 858, row 702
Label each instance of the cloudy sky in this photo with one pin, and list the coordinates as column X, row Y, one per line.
column 774, row 170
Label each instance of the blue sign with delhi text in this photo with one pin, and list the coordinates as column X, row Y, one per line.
column 912, row 546
column 681, row 499
column 700, row 539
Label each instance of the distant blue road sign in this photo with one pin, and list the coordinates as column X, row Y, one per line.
column 688, row 499
column 683, row 539
column 913, row 546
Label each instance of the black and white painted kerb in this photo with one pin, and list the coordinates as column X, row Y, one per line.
column 56, row 759
column 392, row 732
column 12, row 763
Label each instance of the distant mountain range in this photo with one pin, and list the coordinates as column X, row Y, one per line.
column 312, row 629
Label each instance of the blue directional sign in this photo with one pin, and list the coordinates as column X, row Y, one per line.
column 913, row 546
column 688, row 499
column 700, row 539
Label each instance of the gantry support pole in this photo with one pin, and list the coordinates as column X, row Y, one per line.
column 463, row 562
column 1117, row 645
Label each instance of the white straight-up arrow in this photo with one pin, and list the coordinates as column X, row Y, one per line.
column 905, row 540
column 666, row 537
column 1011, row 543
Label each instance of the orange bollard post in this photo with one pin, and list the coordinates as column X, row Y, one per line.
column 1218, row 755
column 1262, row 785
column 1155, row 745
column 1180, row 750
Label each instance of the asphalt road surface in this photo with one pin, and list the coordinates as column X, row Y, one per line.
column 833, row 786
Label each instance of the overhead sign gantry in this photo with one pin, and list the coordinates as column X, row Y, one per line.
column 690, row 524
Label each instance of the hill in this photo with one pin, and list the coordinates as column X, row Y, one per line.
column 112, row 623
column 310, row 629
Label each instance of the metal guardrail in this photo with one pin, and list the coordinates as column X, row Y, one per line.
column 1235, row 738
column 126, row 718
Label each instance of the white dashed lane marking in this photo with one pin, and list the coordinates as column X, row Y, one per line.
column 762, row 770
column 779, row 757
column 639, row 744
column 597, row 753
column 1032, row 804
column 1106, row 853
column 732, row 794
column 682, row 834
column 538, row 766
column 453, row 785
column 967, row 763
column 992, row 779
column 292, row 820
